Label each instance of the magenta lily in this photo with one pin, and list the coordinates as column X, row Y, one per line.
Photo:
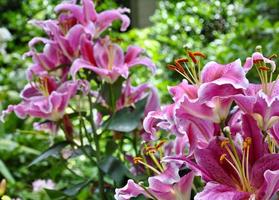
column 86, row 15
column 130, row 95
column 250, row 172
column 108, row 60
column 44, row 100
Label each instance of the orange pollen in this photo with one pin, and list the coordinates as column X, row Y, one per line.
column 200, row 54
column 248, row 140
column 264, row 68
column 224, row 143
column 172, row 67
column 137, row 159
column 182, row 60
column 160, row 144
column 222, row 158
column 150, row 150
column 245, row 145
column 192, row 56
column 256, row 61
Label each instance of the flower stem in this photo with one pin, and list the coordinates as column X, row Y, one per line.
column 97, row 146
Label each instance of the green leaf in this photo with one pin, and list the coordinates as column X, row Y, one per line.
column 127, row 119
column 72, row 191
column 52, row 151
column 5, row 172
column 79, row 151
column 55, row 194
column 111, row 92
column 115, row 169
column 111, row 146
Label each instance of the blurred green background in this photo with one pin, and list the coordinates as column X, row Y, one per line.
column 223, row 30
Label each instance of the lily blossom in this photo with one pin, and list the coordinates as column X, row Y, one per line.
column 86, row 15
column 264, row 108
column 130, row 95
column 44, row 100
column 109, row 61
column 164, row 186
column 211, row 98
column 233, row 172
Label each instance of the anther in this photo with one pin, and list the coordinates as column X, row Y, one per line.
column 222, row 158
column 160, row 144
column 192, row 56
column 224, row 143
column 264, row 68
column 150, row 150
column 256, row 61
column 137, row 159
column 248, row 140
column 200, row 54
column 245, row 145
column 182, row 60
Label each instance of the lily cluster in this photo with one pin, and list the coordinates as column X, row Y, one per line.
column 80, row 79
column 226, row 131
column 75, row 41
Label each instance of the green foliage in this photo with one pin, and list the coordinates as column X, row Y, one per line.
column 127, row 119
column 223, row 30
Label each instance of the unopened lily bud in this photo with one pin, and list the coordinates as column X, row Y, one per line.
column 3, row 185
column 259, row 48
column 227, row 129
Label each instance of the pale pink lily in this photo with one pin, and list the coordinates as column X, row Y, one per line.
column 256, row 57
column 211, row 99
column 264, row 108
column 86, row 15
column 108, row 60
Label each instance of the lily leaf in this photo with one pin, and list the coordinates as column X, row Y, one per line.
column 72, row 191
column 52, row 151
column 6, row 172
column 127, row 119
column 115, row 169
column 111, row 92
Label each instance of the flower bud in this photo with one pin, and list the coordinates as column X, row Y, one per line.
column 3, row 187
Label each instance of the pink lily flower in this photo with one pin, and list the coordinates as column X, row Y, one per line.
column 247, row 173
column 257, row 56
column 164, row 186
column 86, row 15
column 108, row 60
column 261, row 100
column 263, row 108
column 211, row 99
column 46, row 62
column 130, row 95
column 44, row 100
column 59, row 51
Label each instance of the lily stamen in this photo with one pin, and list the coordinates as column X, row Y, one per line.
column 151, row 151
column 140, row 160
column 241, row 169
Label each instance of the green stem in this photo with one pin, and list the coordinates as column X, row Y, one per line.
column 97, row 145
